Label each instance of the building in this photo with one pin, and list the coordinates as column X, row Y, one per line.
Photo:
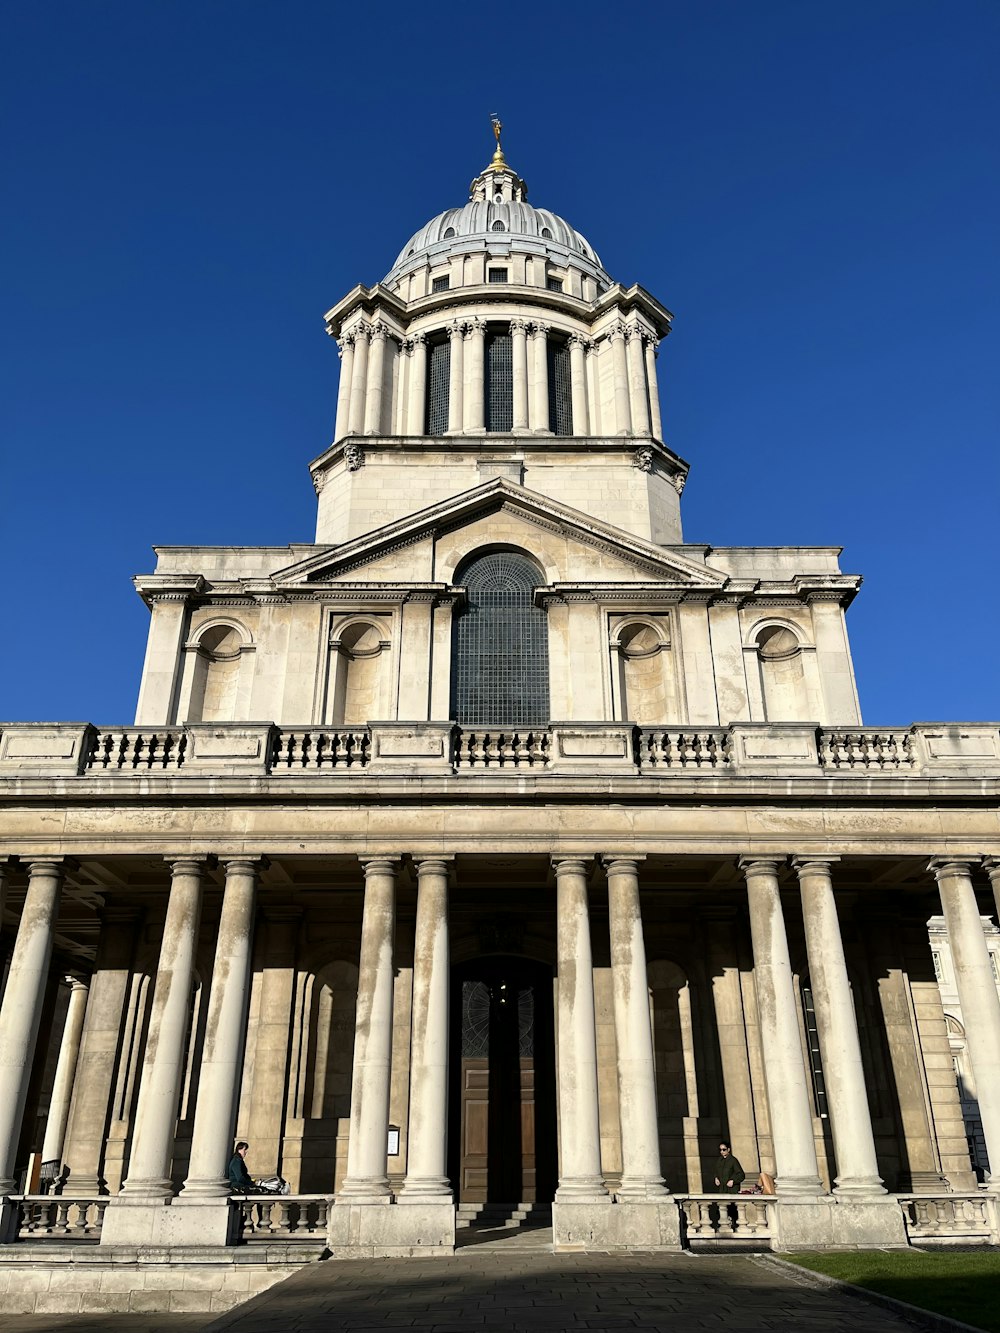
column 498, row 848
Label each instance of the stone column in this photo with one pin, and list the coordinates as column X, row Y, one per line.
column 62, row 1085
column 850, row 1117
column 991, row 865
column 22, row 1004
column 640, row 1132
column 638, row 401
column 580, row 1180
column 375, row 390
column 346, row 346
column 427, row 1143
column 519, row 369
column 225, row 1035
column 359, row 382
column 655, row 423
column 163, row 1069
column 366, row 1180
column 456, row 378
column 977, row 994
column 578, row 381
column 539, row 418
column 417, row 414
column 784, row 1067
column 475, row 370
column 619, row 369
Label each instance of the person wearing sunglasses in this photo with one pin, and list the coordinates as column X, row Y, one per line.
column 729, row 1175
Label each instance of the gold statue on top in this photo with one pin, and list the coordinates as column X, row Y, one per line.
column 498, row 157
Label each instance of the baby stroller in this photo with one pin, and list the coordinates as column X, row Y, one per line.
column 271, row 1185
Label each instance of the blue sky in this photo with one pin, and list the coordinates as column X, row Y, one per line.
column 811, row 188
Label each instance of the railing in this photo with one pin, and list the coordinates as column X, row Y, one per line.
column 846, row 751
column 501, row 749
column 138, row 749
column 949, row 1219
column 53, row 1217
column 658, row 749
column 266, row 1216
column 320, row 749
column 707, row 1218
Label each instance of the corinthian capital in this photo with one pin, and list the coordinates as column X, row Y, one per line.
column 540, row 330
column 418, row 340
column 475, row 327
column 578, row 340
column 456, row 329
column 378, row 332
column 618, row 330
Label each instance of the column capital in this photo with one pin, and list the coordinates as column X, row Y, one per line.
column 991, row 864
column 572, row 865
column 940, row 866
column 416, row 340
column 519, row 326
column 539, row 329
column 619, row 329
column 379, row 865
column 427, row 863
column 578, row 340
column 610, row 859
column 252, row 865
column 475, row 325
column 456, row 329
column 52, row 865
column 803, row 865
column 760, row 865
column 378, row 332
column 195, row 864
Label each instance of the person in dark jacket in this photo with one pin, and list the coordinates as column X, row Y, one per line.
column 729, row 1175
column 240, row 1180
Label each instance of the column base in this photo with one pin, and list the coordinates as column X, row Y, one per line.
column 830, row 1223
column 432, row 1189
column 623, row 1226
column 800, row 1187
column 583, row 1189
column 193, row 1222
column 147, row 1191
column 204, row 1189
column 636, row 1189
column 370, row 1231
column 858, row 1187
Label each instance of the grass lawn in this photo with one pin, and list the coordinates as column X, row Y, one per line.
column 964, row 1285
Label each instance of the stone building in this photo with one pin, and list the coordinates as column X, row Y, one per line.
column 498, row 848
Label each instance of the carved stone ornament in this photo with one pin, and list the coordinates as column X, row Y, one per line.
column 643, row 460
column 518, row 326
column 677, row 480
column 354, row 457
column 319, row 481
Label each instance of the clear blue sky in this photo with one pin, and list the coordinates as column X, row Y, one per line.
column 812, row 189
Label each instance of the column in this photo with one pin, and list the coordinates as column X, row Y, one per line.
column 475, row 369
column 539, row 418
column 366, row 1180
column 850, row 1118
column 359, row 381
column 619, row 370
column 655, row 423
column 977, row 994
column 225, row 1035
column 22, row 1004
column 417, row 414
column 784, row 1067
column 640, row 1132
column 578, row 383
column 593, row 382
column 519, row 357
column 346, row 346
column 376, row 379
column 638, row 402
column 580, row 1179
column 427, row 1143
column 62, row 1084
column 456, row 380
column 991, row 865
column 160, row 1087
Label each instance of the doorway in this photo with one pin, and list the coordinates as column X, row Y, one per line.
column 502, row 1106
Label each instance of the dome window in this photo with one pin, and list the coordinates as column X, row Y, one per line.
column 440, row 284
column 409, row 254
column 554, row 284
column 498, row 226
column 546, row 234
column 449, row 232
column 498, row 275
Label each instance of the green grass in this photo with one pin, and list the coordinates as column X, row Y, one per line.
column 964, row 1286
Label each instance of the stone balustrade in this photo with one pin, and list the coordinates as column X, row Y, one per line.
column 707, row 1219
column 951, row 1219
column 52, row 1217
column 501, row 749
column 264, row 1217
column 659, row 749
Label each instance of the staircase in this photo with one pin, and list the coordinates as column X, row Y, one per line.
column 503, row 1217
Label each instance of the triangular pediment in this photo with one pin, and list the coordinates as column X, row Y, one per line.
column 425, row 546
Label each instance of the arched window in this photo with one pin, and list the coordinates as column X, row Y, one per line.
column 500, row 646
column 449, row 232
column 498, row 226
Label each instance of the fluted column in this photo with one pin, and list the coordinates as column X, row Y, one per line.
column 417, row 414
column 163, row 1070
column 539, row 417
column 977, row 994
column 427, row 1139
column 22, row 1004
column 225, row 1035
column 366, row 1180
column 359, row 382
column 475, row 352
column 655, row 422
column 578, row 383
column 375, row 391
column 640, row 1133
column 619, row 371
column 580, row 1180
column 62, row 1084
column 456, row 378
column 638, row 401
column 519, row 372
column 346, row 346
column 784, row 1068
column 839, row 1045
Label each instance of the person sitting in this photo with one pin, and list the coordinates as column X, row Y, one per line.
column 240, row 1180
column 729, row 1175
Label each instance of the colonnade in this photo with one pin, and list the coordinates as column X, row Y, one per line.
column 581, row 1178
column 629, row 406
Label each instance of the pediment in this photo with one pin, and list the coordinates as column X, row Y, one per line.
column 427, row 546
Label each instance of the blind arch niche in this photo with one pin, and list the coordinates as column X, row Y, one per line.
column 500, row 645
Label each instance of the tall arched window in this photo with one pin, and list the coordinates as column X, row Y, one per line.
column 500, row 646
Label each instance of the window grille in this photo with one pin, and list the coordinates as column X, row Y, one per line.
column 500, row 649
column 498, row 275
column 441, row 284
column 499, row 382
column 449, row 232
column 560, row 389
column 554, row 284
column 815, row 1060
column 498, row 226
column 438, row 371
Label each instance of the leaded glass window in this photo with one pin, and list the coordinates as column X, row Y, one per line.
column 554, row 284
column 438, row 368
column 500, row 648
column 560, row 389
column 498, row 275
column 499, row 382
column 440, row 284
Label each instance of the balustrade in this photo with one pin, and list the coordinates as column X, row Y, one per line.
column 868, row 749
column 321, row 749
column 949, row 1219
column 265, row 1216
column 58, row 1218
column 138, row 749
column 501, row 749
column 683, row 749
column 708, row 1218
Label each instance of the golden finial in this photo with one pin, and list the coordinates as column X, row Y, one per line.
column 498, row 158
